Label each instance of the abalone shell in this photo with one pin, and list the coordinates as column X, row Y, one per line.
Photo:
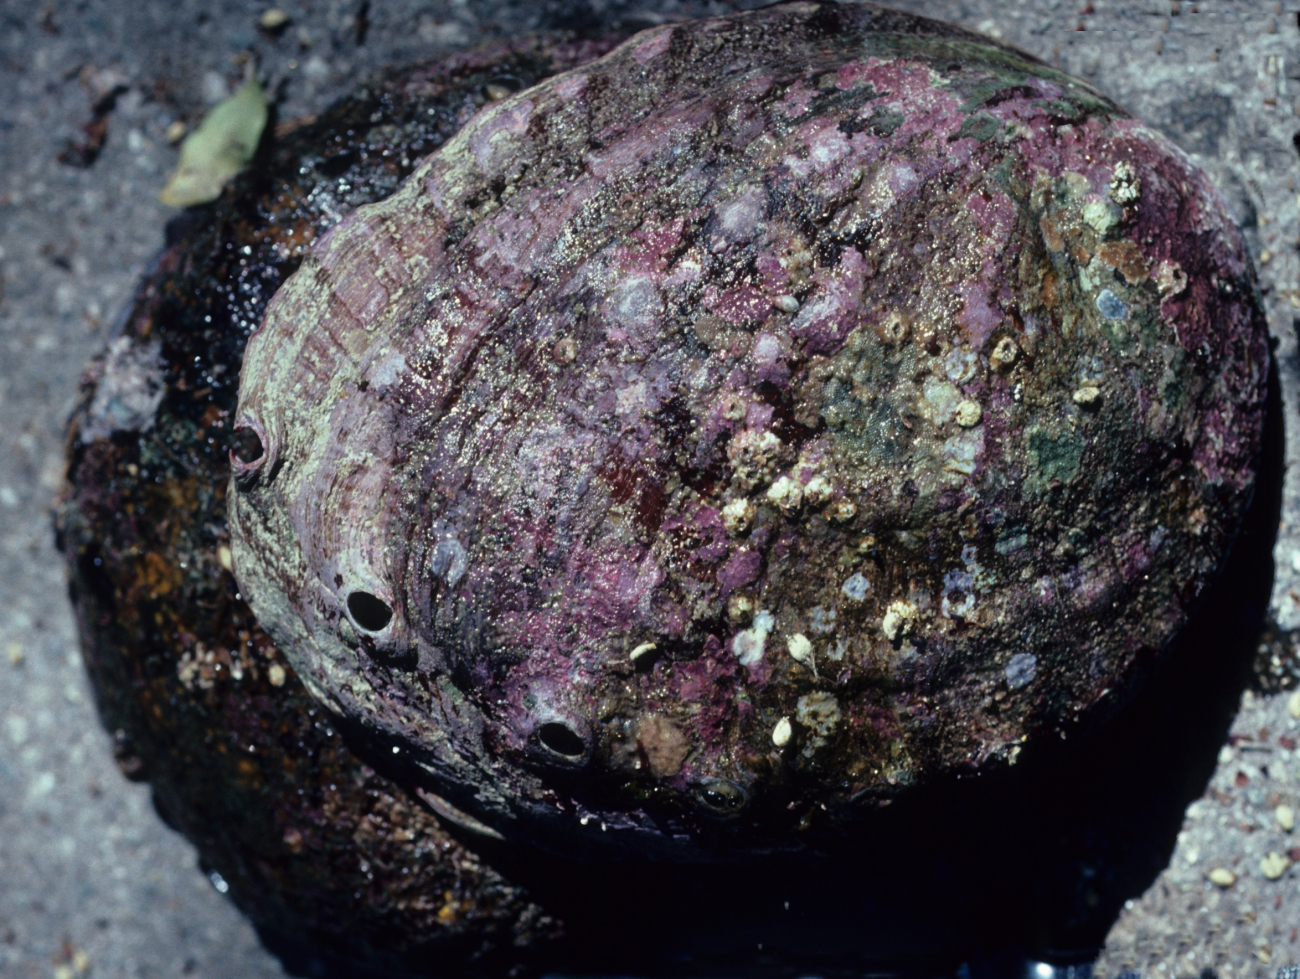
column 785, row 410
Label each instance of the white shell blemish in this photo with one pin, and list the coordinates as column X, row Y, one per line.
column 960, row 365
column 748, row 645
column 1021, row 669
column 940, row 401
column 821, row 620
column 855, row 587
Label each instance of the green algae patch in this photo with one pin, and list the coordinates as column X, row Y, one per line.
column 1054, row 459
column 222, row 146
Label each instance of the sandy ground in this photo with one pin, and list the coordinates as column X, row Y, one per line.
column 91, row 882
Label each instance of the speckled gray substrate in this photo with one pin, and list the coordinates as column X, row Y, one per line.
column 1246, row 925
column 85, row 866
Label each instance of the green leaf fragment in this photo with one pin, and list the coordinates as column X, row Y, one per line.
column 222, row 146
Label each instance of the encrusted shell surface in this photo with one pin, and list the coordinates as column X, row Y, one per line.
column 784, row 410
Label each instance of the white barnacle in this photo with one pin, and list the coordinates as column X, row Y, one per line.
column 738, row 515
column 817, row 491
column 818, row 714
column 842, row 511
column 740, row 609
column 749, row 644
column 787, row 494
column 968, row 414
column 1125, row 187
column 782, row 732
column 898, row 620
column 645, row 649
column 1004, row 354
column 800, row 648
column 753, row 455
column 1170, row 278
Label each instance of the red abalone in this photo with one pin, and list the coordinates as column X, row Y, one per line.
column 783, row 410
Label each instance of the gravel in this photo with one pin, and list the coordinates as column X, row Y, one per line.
column 91, row 881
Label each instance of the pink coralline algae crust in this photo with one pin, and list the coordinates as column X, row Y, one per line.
column 782, row 411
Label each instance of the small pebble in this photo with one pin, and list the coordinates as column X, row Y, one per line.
column 1285, row 817
column 275, row 673
column 1274, row 865
column 782, row 732
column 273, row 19
column 1222, row 877
column 734, row 408
column 175, row 132
column 969, row 414
column 786, row 304
column 497, row 92
column 223, row 556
